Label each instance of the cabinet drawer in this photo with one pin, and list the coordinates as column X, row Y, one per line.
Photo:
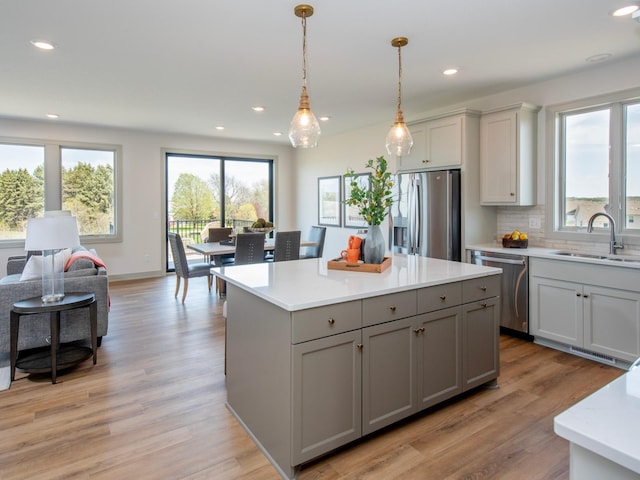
column 388, row 307
column 439, row 296
column 479, row 288
column 324, row 321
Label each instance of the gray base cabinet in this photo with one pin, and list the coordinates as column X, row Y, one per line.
column 602, row 316
column 354, row 367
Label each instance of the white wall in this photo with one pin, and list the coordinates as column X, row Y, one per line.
column 334, row 154
column 143, row 186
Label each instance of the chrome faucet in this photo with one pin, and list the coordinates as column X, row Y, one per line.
column 613, row 245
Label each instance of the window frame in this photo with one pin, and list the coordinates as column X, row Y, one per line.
column 555, row 167
column 53, row 182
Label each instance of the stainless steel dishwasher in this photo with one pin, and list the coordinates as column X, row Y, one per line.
column 514, row 297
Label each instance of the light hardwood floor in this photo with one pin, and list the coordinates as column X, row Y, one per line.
column 153, row 408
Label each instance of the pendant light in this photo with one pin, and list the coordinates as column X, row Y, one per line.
column 305, row 130
column 399, row 141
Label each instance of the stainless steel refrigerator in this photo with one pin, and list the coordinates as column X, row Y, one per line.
column 425, row 216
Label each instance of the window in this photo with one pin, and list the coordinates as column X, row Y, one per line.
column 596, row 166
column 205, row 191
column 52, row 176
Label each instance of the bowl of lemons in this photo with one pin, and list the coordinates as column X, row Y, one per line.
column 515, row 239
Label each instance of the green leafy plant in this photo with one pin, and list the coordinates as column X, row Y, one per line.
column 373, row 202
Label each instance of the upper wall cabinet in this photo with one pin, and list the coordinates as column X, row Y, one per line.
column 508, row 155
column 437, row 142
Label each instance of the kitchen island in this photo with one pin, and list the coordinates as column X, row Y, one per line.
column 318, row 358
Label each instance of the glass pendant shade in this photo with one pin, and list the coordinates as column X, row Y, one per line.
column 305, row 129
column 399, row 139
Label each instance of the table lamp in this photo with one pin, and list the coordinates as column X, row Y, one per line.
column 52, row 233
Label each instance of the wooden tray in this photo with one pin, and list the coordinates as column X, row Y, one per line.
column 339, row 264
column 507, row 243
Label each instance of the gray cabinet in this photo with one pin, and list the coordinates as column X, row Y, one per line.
column 508, row 156
column 480, row 349
column 601, row 317
column 326, row 394
column 439, row 142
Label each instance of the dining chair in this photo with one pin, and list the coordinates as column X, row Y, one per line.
column 317, row 235
column 286, row 246
column 183, row 268
column 219, row 233
column 249, row 248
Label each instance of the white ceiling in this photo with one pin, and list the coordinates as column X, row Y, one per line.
column 186, row 66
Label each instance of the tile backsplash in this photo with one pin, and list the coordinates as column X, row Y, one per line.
column 532, row 221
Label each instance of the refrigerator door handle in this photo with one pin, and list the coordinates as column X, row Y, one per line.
column 413, row 216
column 410, row 216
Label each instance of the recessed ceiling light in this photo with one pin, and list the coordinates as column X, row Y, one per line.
column 277, row 134
column 53, row 115
column 600, row 57
column 628, row 10
column 324, row 119
column 42, row 44
column 450, row 71
column 219, row 127
column 257, row 109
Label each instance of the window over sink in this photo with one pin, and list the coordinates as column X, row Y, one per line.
column 594, row 166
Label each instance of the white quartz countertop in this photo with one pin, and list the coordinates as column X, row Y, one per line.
column 549, row 253
column 301, row 284
column 607, row 422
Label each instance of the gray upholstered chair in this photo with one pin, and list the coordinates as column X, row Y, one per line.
column 287, row 246
column 184, row 269
column 249, row 248
column 316, row 235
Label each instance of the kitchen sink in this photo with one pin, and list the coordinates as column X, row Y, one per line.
column 580, row 255
column 614, row 258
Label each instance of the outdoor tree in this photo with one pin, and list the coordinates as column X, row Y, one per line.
column 236, row 193
column 21, row 196
column 192, row 199
column 260, row 198
column 88, row 192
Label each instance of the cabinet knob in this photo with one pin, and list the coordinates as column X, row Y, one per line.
column 443, row 297
column 512, row 194
column 392, row 308
column 359, row 345
column 483, row 305
column 578, row 294
column 425, row 161
column 484, row 289
column 331, row 321
column 585, row 295
column 419, row 330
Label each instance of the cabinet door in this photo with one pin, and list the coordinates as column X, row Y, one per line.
column 498, row 164
column 556, row 310
column 388, row 374
column 480, row 342
column 326, row 394
column 444, row 142
column 612, row 322
column 439, row 337
column 436, row 143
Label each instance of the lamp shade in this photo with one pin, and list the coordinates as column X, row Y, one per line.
column 51, row 233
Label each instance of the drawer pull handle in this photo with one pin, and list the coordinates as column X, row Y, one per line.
column 419, row 330
column 443, row 297
column 585, row 295
column 359, row 345
column 392, row 308
column 578, row 294
column 483, row 288
column 331, row 321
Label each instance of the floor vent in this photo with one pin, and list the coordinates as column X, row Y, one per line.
column 593, row 355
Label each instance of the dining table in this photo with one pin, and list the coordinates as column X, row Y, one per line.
column 216, row 250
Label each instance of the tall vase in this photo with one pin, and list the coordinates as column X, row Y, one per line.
column 374, row 245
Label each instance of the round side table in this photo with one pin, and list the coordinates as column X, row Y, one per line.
column 60, row 356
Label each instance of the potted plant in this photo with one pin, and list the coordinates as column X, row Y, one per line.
column 373, row 204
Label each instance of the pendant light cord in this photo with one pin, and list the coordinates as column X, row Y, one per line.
column 399, row 77
column 304, row 52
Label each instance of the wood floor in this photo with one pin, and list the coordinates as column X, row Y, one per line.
column 153, row 408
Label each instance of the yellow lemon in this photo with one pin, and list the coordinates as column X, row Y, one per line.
column 523, row 236
column 515, row 237
column 514, row 234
